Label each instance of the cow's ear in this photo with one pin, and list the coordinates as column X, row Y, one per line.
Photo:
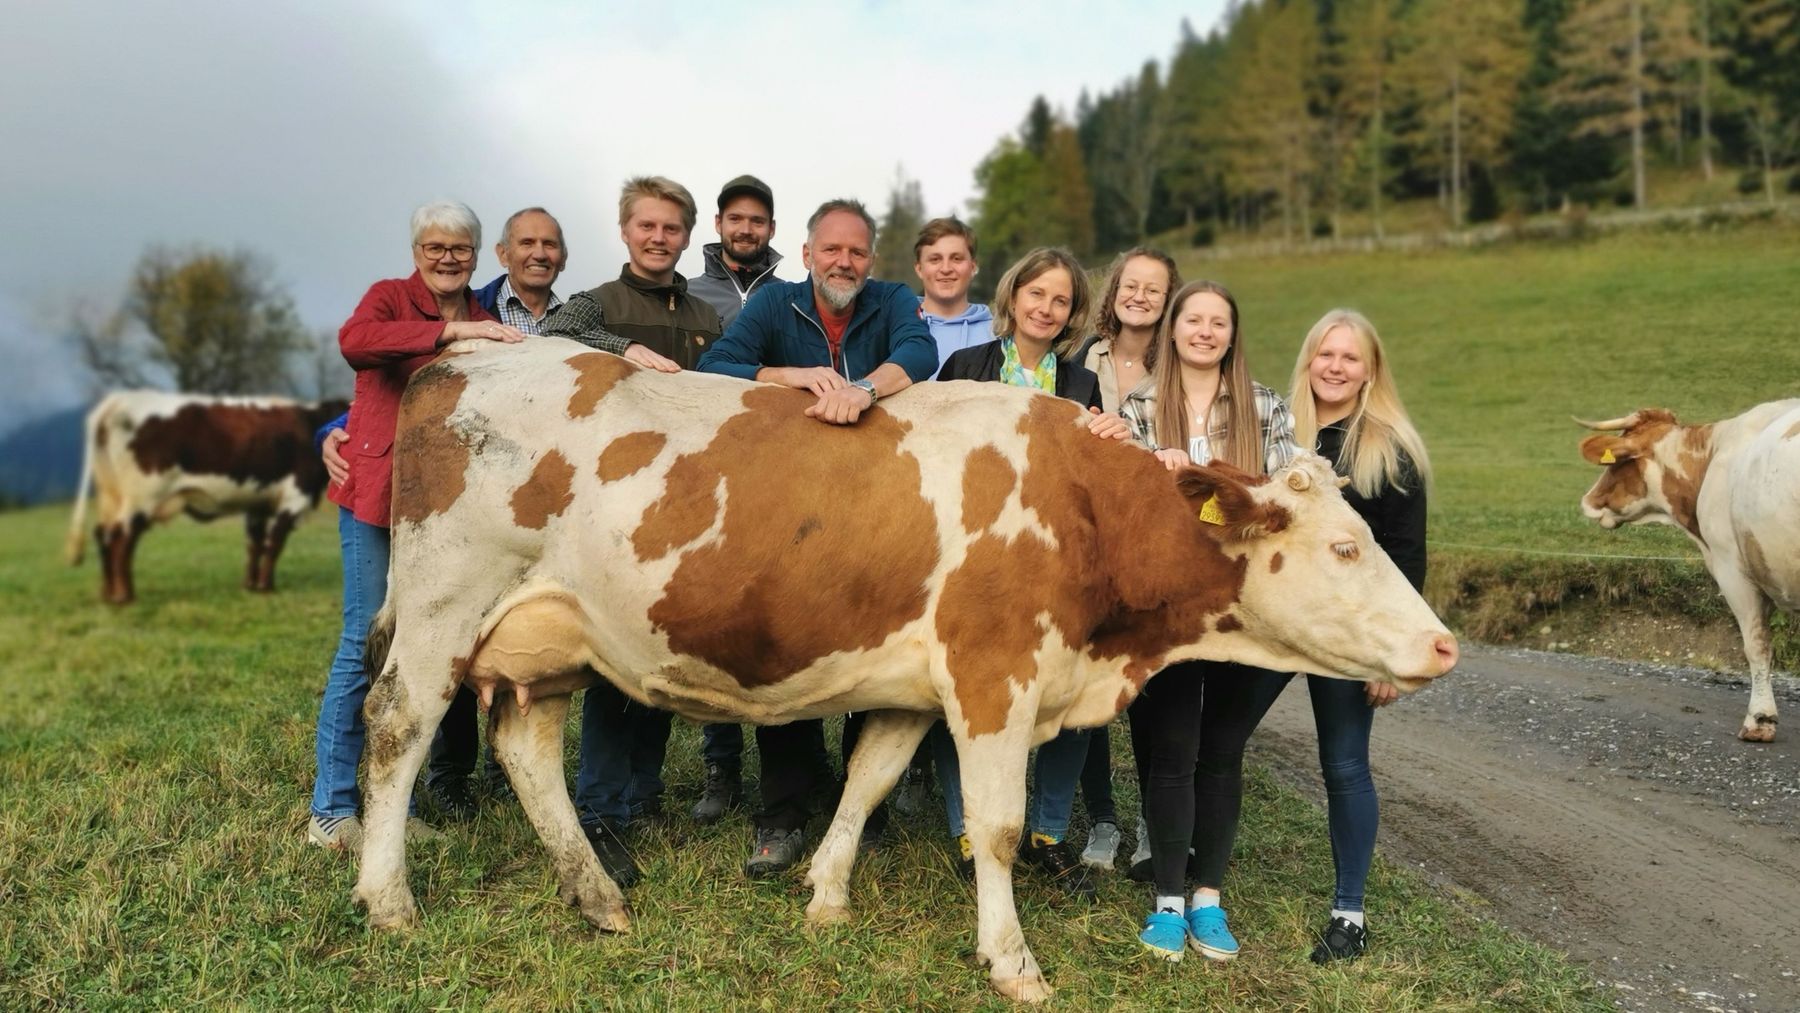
column 1604, row 450
column 1219, row 496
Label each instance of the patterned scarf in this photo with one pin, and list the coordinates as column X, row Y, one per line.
column 1012, row 371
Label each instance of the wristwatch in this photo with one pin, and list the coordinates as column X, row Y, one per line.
column 868, row 385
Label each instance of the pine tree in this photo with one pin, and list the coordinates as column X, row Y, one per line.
column 1369, row 33
column 900, row 225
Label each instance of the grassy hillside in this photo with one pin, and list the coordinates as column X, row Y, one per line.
column 154, row 768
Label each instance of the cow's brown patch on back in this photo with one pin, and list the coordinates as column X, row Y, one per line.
column 988, row 479
column 430, row 457
column 1275, row 561
column 596, row 373
column 546, row 494
column 826, row 542
column 260, row 444
column 629, row 454
column 989, row 621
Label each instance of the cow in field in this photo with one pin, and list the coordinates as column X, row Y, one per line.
column 1734, row 487
column 151, row 455
column 965, row 550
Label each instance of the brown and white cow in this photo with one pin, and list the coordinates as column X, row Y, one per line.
column 1734, row 487
column 966, row 550
column 151, row 455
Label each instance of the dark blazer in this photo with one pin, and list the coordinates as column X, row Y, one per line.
column 982, row 362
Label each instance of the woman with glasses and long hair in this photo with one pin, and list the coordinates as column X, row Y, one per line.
column 1190, row 724
column 398, row 327
column 1347, row 408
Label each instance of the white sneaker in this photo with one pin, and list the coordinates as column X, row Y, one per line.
column 1142, row 854
column 339, row 833
column 1102, row 846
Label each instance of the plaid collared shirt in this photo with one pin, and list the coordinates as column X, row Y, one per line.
column 580, row 318
column 1279, row 448
column 514, row 313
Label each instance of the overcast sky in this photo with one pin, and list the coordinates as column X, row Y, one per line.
column 309, row 131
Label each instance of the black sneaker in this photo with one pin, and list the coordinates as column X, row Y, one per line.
column 776, row 851
column 1057, row 861
column 646, row 810
column 724, row 789
column 1140, row 871
column 451, row 795
column 608, row 841
column 1342, row 939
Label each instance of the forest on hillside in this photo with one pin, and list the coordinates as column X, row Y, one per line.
column 1305, row 118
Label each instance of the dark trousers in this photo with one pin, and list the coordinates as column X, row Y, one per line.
column 1096, row 778
column 722, row 746
column 623, row 744
column 457, row 744
column 796, row 768
column 1343, row 718
column 1189, row 727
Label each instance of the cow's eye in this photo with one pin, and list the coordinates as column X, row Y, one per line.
column 1345, row 550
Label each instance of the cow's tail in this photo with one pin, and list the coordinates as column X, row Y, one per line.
column 74, row 547
column 380, row 640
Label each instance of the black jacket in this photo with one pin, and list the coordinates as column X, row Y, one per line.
column 1396, row 517
column 982, row 362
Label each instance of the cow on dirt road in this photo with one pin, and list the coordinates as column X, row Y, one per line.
column 1734, row 488
column 151, row 455
column 702, row 544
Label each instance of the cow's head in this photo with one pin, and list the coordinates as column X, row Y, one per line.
column 1318, row 594
column 1632, row 488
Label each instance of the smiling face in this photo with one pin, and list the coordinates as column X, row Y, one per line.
column 839, row 254
column 1337, row 373
column 532, row 252
column 447, row 273
column 655, row 236
column 1143, row 285
column 745, row 230
column 946, row 268
column 1202, row 331
column 1041, row 305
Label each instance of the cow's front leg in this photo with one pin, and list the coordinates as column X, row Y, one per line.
column 993, row 788
column 888, row 740
column 1751, row 609
column 256, row 536
column 400, row 716
column 529, row 745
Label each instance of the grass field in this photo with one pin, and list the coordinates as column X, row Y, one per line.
column 154, row 768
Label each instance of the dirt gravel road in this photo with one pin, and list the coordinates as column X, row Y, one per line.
column 1603, row 807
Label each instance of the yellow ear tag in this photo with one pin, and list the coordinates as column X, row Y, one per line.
column 1606, row 457
column 1210, row 512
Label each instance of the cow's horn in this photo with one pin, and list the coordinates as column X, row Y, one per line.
column 1611, row 425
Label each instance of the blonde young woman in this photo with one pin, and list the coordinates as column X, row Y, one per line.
column 1347, row 408
column 1190, row 724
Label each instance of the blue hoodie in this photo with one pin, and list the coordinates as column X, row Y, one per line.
column 974, row 326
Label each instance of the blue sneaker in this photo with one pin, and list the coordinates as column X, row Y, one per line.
column 1208, row 935
column 1165, row 934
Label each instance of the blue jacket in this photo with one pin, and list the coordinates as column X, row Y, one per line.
column 487, row 295
column 780, row 326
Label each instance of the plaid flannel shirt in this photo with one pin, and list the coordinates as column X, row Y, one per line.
column 514, row 313
column 1279, row 448
column 580, row 318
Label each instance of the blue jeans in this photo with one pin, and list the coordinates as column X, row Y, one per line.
column 1343, row 717
column 1059, row 764
column 622, row 748
column 339, row 742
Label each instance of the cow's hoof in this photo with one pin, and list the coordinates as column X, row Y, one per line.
column 821, row 913
column 615, row 919
column 1758, row 731
column 1032, row 988
column 389, row 910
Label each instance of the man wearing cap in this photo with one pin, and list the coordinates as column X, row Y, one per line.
column 741, row 261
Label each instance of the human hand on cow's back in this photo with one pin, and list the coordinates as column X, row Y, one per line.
column 650, row 359
column 336, row 468
column 1173, row 459
column 1380, row 694
column 1108, row 425
column 457, row 330
column 817, row 379
column 841, row 406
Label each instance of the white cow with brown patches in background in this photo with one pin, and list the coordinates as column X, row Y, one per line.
column 702, row 544
column 1734, row 487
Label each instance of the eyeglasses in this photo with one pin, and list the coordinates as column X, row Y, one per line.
column 461, row 253
column 1130, row 288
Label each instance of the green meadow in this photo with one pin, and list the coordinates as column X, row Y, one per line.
column 155, row 763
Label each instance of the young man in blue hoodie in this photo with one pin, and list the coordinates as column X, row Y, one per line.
column 944, row 260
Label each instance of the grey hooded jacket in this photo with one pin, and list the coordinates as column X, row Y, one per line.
column 724, row 288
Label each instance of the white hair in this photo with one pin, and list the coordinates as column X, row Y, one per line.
column 451, row 216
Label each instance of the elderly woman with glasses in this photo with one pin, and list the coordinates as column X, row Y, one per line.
column 398, row 327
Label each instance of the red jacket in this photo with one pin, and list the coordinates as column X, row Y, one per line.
column 393, row 332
